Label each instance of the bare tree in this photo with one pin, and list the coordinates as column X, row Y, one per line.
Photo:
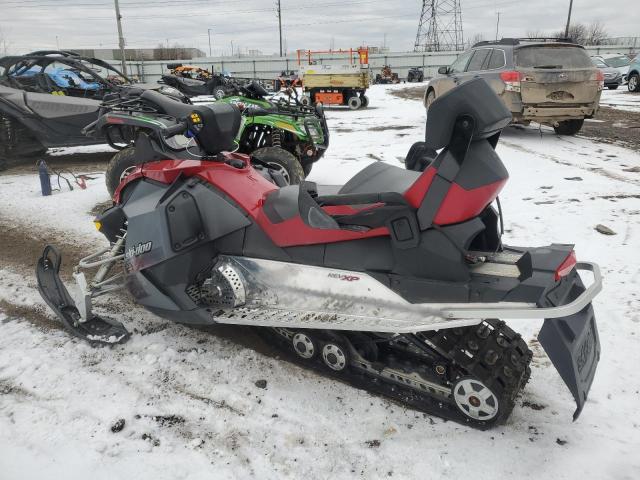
column 535, row 34
column 4, row 43
column 174, row 52
column 478, row 37
column 592, row 34
column 596, row 33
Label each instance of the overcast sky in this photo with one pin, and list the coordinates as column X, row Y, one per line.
column 28, row 25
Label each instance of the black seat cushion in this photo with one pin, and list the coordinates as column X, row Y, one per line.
column 475, row 98
column 167, row 104
column 380, row 177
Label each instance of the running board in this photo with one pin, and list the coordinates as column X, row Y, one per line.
column 282, row 294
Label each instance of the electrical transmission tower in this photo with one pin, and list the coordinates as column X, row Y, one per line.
column 440, row 26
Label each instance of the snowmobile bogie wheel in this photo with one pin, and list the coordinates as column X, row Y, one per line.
column 335, row 356
column 304, row 345
column 475, row 400
column 282, row 161
column 354, row 103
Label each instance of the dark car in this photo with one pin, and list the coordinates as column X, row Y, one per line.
column 549, row 81
column 612, row 77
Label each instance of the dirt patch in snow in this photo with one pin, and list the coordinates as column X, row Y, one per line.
column 22, row 246
column 410, row 93
column 614, row 126
column 33, row 315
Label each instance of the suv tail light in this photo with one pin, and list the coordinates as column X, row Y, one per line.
column 511, row 80
column 599, row 77
column 566, row 266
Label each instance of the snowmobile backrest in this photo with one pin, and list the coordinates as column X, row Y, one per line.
column 474, row 98
column 220, row 125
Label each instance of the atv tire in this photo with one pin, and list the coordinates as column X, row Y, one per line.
column 365, row 101
column 569, row 127
column 119, row 167
column 219, row 93
column 306, row 101
column 281, row 161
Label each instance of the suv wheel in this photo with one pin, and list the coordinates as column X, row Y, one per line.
column 634, row 83
column 569, row 127
column 431, row 96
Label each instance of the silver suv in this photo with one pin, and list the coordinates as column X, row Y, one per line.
column 549, row 81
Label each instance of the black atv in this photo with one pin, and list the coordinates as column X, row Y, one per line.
column 47, row 97
column 415, row 75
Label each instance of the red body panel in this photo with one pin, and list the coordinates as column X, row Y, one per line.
column 460, row 205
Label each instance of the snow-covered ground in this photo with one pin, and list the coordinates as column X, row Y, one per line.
column 621, row 98
column 189, row 399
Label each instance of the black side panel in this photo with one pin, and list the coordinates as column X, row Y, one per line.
column 435, row 257
column 184, row 221
column 309, row 254
column 419, row 290
column 257, row 244
column 372, row 254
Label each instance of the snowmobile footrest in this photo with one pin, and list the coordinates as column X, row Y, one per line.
column 95, row 329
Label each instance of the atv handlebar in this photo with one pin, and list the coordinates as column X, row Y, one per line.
column 175, row 130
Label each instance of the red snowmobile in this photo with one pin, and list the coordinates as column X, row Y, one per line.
column 393, row 281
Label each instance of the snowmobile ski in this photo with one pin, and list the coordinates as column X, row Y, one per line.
column 94, row 329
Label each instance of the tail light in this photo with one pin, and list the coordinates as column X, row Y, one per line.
column 511, row 80
column 566, row 266
column 598, row 76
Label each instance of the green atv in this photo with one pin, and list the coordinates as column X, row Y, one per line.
column 299, row 130
column 283, row 135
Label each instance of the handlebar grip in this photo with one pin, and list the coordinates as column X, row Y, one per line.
column 175, row 130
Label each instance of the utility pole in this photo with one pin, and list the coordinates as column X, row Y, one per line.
column 209, row 32
column 120, row 38
column 280, row 24
column 497, row 25
column 566, row 30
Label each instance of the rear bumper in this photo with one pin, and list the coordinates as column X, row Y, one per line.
column 551, row 114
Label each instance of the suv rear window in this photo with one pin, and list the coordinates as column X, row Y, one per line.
column 552, row 57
